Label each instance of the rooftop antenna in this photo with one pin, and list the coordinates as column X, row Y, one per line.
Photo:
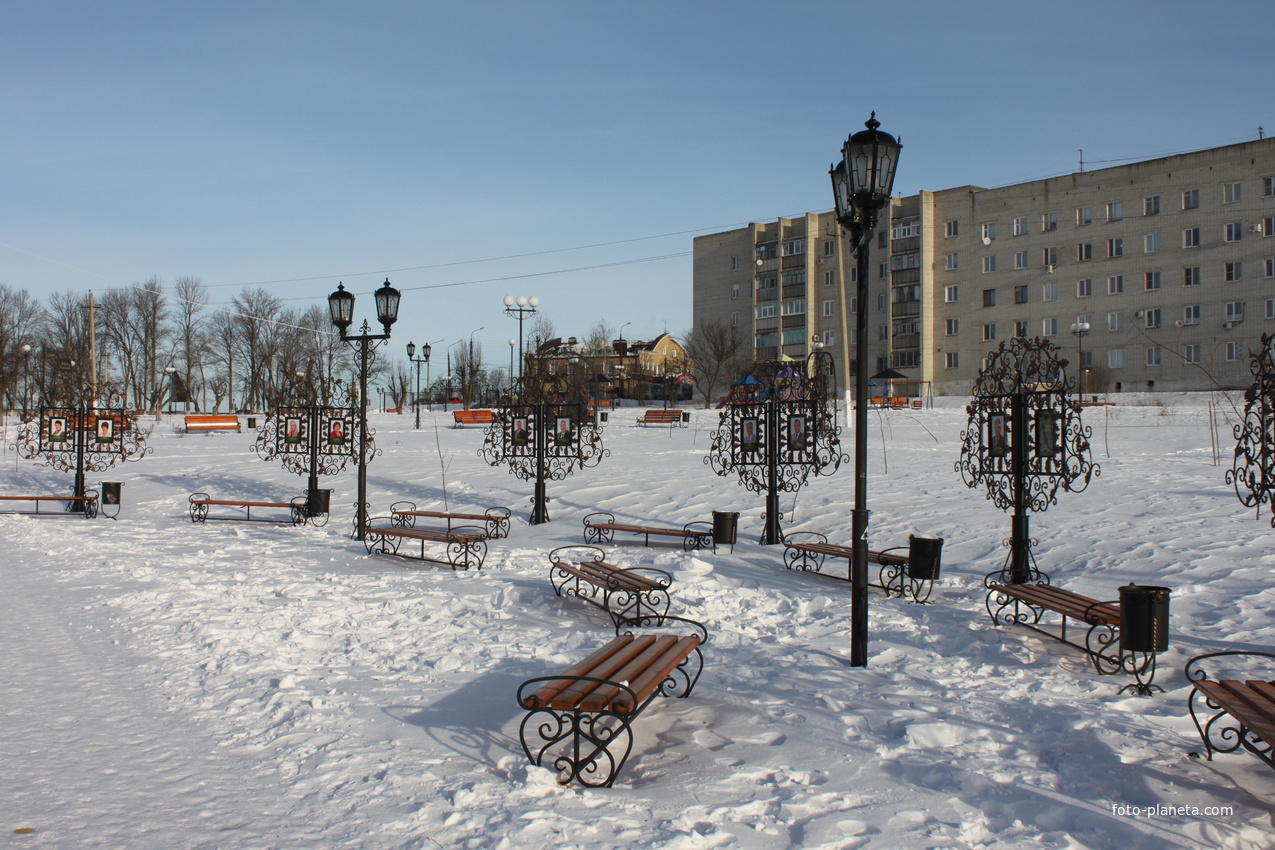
column 1260, row 133
column 1082, row 159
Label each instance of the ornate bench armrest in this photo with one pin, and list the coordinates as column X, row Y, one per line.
column 627, row 625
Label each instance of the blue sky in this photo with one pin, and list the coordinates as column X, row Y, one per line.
column 294, row 145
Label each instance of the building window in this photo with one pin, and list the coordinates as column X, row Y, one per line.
column 1269, row 264
column 1191, row 315
column 1235, row 311
column 1151, row 280
column 1191, row 237
column 952, row 261
column 1084, row 288
column 734, row 319
column 1084, row 215
column 1233, row 271
column 1230, row 193
column 1153, row 317
column 1084, row 251
column 1115, row 247
column 1115, row 359
column 1115, row 284
column 1267, row 227
column 1049, row 221
column 952, row 229
column 830, row 308
column 795, row 336
column 883, row 333
column 1192, row 354
column 1020, row 226
column 1234, row 231
column 1270, row 308
column 854, row 274
column 989, row 230
column 905, row 229
column 1268, row 186
column 989, row 297
column 989, row 332
column 1050, row 291
column 1115, row 211
column 829, row 248
column 882, row 302
column 792, row 247
column 1115, row 321
column 1151, row 205
column 794, row 278
column 829, row 337
column 767, row 311
column 989, row 264
column 830, row 277
column 767, row 250
column 884, row 270
column 1234, row 351
column 952, row 359
column 1191, row 276
column 1020, row 294
column 1049, row 327
column 953, row 327
column 1020, row 330
column 1151, row 243
column 1191, row 199
column 883, row 239
column 1153, row 356
column 795, row 307
column 1050, row 257
column 734, row 262
column 951, row 294
column 1020, row 259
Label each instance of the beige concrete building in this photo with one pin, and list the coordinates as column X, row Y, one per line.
column 1169, row 262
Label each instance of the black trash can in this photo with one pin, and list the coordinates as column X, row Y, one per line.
column 111, row 499
column 686, row 416
column 252, row 422
column 1144, row 618
column 320, row 500
column 725, row 526
column 924, row 557
column 602, row 416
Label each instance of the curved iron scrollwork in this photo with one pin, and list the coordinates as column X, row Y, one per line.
column 779, row 428
column 1252, row 471
column 83, row 433
column 1025, row 439
column 296, row 435
column 546, row 432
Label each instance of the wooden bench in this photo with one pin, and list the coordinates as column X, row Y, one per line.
column 473, row 417
column 212, row 422
column 912, row 574
column 200, row 503
column 661, row 417
column 1236, row 712
column 465, row 546
column 624, row 593
column 1025, row 604
column 85, row 506
column 582, row 718
column 600, row 527
column 496, row 519
column 892, row 402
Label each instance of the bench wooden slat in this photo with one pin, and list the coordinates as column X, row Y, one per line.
column 607, row 697
column 657, row 670
column 1062, row 601
column 1245, row 703
column 565, row 693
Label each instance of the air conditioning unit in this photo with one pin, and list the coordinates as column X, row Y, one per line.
column 1137, row 314
column 1226, row 326
column 1257, row 228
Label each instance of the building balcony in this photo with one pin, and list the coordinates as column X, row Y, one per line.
column 905, row 276
column 902, row 309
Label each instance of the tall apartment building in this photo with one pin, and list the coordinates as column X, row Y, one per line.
column 1169, row 262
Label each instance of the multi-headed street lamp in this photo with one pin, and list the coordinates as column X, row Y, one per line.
column 424, row 358
column 341, row 306
column 861, row 186
column 1081, row 330
column 520, row 307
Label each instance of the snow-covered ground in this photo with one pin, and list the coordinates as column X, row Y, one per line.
column 232, row 685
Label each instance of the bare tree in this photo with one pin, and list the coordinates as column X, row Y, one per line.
column 257, row 339
column 21, row 323
column 719, row 352
column 191, row 335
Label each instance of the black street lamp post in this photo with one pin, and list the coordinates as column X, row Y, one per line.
column 861, row 185
column 424, row 358
column 341, row 306
column 26, row 379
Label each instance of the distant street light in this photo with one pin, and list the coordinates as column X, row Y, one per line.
column 1081, row 330
column 424, row 358
column 520, row 307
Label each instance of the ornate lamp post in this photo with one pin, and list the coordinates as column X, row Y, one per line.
column 1080, row 330
column 424, row 358
column 512, row 342
column 26, row 379
column 861, row 186
column 341, row 306
column 520, row 307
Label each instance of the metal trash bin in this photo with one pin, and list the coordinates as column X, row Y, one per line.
column 603, row 415
column 319, row 502
column 686, row 416
column 725, row 528
column 1144, row 618
column 252, row 422
column 111, row 499
column 924, row 557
